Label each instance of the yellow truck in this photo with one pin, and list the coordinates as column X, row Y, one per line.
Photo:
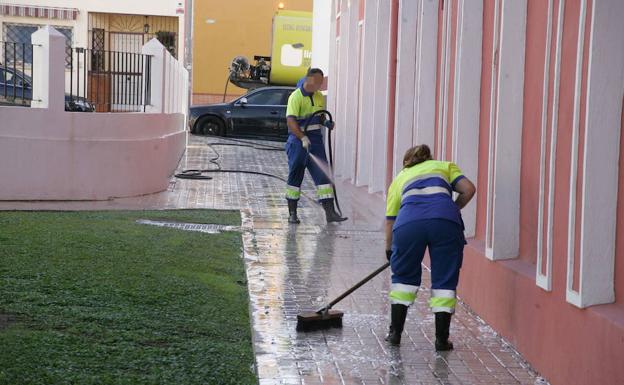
column 291, row 54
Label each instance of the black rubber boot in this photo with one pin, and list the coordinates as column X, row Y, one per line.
column 330, row 212
column 442, row 325
column 292, row 211
column 397, row 317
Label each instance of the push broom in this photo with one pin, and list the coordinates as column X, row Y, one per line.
column 325, row 317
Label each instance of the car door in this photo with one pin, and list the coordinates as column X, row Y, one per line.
column 258, row 113
column 282, row 131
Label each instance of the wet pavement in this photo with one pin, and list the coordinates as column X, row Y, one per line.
column 291, row 268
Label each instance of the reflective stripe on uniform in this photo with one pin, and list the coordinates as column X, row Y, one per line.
column 301, row 106
column 293, row 192
column 403, row 294
column 425, row 176
column 325, row 191
column 442, row 300
column 443, row 310
column 443, row 293
column 426, row 191
column 313, row 127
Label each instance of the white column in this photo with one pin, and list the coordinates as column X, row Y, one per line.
column 377, row 156
column 425, row 76
column 444, row 71
column 342, row 101
column 48, row 69
column 186, row 95
column 158, row 74
column 369, row 99
column 321, row 36
column 503, row 208
column 406, row 70
column 598, row 200
column 332, row 74
column 467, row 97
column 351, row 92
column 548, row 154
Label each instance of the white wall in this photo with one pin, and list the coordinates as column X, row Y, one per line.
column 321, row 34
column 169, row 83
column 346, row 89
column 381, row 109
column 406, row 74
column 48, row 155
column 368, row 98
column 80, row 25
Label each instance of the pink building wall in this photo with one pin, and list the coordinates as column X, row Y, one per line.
column 559, row 298
column 619, row 256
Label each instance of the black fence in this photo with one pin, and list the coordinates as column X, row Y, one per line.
column 16, row 73
column 109, row 81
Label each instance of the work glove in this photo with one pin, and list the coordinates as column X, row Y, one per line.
column 329, row 124
column 388, row 254
column 305, row 142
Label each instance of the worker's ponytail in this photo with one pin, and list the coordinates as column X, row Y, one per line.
column 416, row 155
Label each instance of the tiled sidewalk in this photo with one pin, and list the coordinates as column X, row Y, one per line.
column 294, row 268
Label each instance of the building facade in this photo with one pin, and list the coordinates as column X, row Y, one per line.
column 526, row 96
column 103, row 43
column 115, row 25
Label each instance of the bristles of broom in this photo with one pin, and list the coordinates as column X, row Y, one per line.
column 317, row 321
column 326, row 318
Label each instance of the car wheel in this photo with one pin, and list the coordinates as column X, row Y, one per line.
column 210, row 125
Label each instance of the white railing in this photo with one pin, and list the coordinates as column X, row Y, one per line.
column 168, row 79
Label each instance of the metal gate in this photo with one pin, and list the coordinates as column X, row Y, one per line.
column 126, row 71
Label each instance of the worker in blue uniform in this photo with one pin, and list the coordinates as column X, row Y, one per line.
column 420, row 215
column 300, row 146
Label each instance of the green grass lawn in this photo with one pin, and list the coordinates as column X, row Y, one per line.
column 94, row 298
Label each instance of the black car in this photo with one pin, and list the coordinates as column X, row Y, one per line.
column 261, row 113
column 16, row 90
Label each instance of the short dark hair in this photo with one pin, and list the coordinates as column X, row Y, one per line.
column 314, row 71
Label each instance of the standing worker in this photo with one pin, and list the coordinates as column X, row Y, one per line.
column 421, row 214
column 302, row 103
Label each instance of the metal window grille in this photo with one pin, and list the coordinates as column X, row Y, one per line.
column 21, row 33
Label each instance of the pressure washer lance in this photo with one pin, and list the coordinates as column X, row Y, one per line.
column 328, row 116
column 325, row 317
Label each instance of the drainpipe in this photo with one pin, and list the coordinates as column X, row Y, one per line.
column 394, row 27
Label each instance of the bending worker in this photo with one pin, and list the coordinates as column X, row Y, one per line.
column 421, row 214
column 302, row 103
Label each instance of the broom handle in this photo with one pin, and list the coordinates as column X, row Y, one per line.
column 355, row 287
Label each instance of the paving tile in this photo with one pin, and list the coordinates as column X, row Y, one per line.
column 294, row 268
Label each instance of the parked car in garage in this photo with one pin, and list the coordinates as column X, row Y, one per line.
column 16, row 90
column 259, row 114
